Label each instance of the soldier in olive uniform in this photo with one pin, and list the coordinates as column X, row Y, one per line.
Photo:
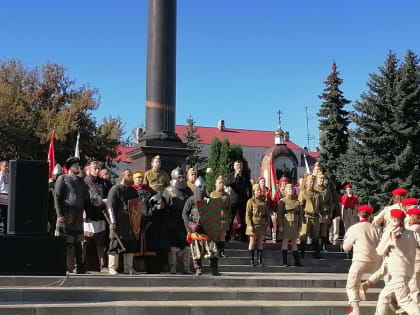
column 290, row 222
column 226, row 215
column 257, row 219
column 310, row 199
column 156, row 178
column 326, row 207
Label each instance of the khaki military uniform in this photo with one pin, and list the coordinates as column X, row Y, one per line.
column 325, row 209
column 157, row 179
column 257, row 216
column 401, row 252
column 384, row 217
column 310, row 202
column 225, row 214
column 414, row 283
column 290, row 217
column 363, row 238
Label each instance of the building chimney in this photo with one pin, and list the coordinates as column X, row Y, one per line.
column 221, row 125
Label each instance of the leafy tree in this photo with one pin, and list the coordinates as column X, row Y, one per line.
column 34, row 102
column 193, row 140
column 333, row 124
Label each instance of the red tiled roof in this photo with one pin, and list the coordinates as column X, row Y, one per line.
column 244, row 137
column 313, row 154
column 122, row 154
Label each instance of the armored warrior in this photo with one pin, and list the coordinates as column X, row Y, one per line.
column 71, row 197
column 117, row 205
column 202, row 246
column 176, row 195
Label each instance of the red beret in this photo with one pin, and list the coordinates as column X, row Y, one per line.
column 399, row 192
column 296, row 185
column 365, row 208
column 410, row 202
column 398, row 214
column 347, row 186
column 260, row 178
column 414, row 211
column 283, row 179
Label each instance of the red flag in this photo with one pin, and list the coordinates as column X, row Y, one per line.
column 51, row 157
column 272, row 178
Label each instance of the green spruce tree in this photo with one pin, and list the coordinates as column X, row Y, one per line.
column 333, row 124
column 223, row 167
column 367, row 163
column 406, row 126
column 193, row 141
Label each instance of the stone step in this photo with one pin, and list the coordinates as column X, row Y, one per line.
column 277, row 246
column 188, row 307
column 277, row 253
column 104, row 294
column 226, row 280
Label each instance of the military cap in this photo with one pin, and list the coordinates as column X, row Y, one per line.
column 398, row 214
column 138, row 174
column 365, row 208
column 410, row 202
column 256, row 186
column 414, row 211
column 72, row 160
column 399, row 192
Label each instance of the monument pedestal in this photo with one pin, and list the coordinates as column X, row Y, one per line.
column 172, row 154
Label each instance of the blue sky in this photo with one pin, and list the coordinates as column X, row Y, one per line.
column 237, row 60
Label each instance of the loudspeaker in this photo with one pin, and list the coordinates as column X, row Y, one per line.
column 28, row 198
column 28, row 255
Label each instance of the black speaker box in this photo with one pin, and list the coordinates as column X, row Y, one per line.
column 28, row 198
column 28, row 255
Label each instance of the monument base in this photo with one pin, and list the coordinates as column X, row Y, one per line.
column 172, row 154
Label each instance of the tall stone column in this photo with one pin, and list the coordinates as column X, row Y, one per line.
column 160, row 137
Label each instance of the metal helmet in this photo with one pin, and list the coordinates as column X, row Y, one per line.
column 156, row 199
column 200, row 190
column 178, row 178
column 57, row 171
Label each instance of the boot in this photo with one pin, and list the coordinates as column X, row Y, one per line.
column 252, row 258
column 296, row 258
column 317, row 254
column 284, row 255
column 128, row 264
column 221, row 247
column 172, row 260
column 325, row 242
column 260, row 254
column 100, row 250
column 214, row 266
column 70, row 257
column 186, row 261
column 197, row 266
column 364, row 286
column 80, row 266
column 302, row 249
column 113, row 264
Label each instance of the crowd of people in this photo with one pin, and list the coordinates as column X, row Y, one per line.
column 88, row 211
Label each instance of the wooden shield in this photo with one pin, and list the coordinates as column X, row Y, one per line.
column 210, row 217
column 134, row 213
